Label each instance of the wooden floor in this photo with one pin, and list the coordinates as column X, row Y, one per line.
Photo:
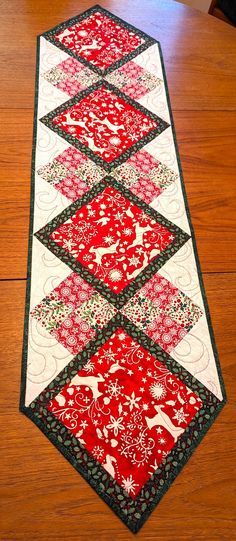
column 42, row 496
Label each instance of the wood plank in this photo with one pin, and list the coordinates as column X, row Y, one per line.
column 199, row 50
column 206, row 142
column 15, row 172
column 209, row 163
column 48, row 498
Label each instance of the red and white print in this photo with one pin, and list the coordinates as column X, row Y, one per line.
column 71, row 77
column 73, row 313
column 134, row 406
column 145, row 176
column 127, row 409
column 163, row 312
column 99, row 40
column 72, row 173
column 134, row 80
column 113, row 238
column 105, row 123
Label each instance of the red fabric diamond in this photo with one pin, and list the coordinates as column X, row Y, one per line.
column 113, row 238
column 127, row 409
column 99, row 39
column 105, row 123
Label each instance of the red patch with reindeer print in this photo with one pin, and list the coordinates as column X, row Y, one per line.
column 127, row 409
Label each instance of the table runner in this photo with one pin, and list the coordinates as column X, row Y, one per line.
column 120, row 368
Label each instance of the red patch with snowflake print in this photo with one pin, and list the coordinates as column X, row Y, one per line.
column 105, row 123
column 127, row 409
column 99, row 40
column 113, row 238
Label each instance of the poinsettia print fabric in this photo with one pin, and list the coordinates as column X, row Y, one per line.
column 119, row 362
column 127, row 409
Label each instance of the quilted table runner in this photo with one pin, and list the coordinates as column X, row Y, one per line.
column 120, row 369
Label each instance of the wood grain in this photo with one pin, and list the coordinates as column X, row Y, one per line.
column 209, row 164
column 199, row 50
column 48, row 499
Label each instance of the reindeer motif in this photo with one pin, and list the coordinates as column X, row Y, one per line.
column 103, row 221
column 93, row 45
column 114, row 367
column 64, row 34
column 129, row 213
column 72, row 122
column 89, row 381
column 162, row 419
column 112, row 127
column 139, row 232
column 108, row 465
column 154, row 253
column 92, row 145
column 100, row 251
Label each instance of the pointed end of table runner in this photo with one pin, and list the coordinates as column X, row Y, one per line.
column 132, row 502
column 130, row 381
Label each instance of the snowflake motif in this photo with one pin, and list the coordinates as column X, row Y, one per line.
column 157, row 390
column 91, row 212
column 115, row 275
column 113, row 389
column 116, row 425
column 129, row 485
column 135, row 261
column 122, row 336
column 83, row 424
column 180, row 416
column 132, row 401
column 98, row 452
column 109, row 239
column 87, row 257
column 145, row 407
